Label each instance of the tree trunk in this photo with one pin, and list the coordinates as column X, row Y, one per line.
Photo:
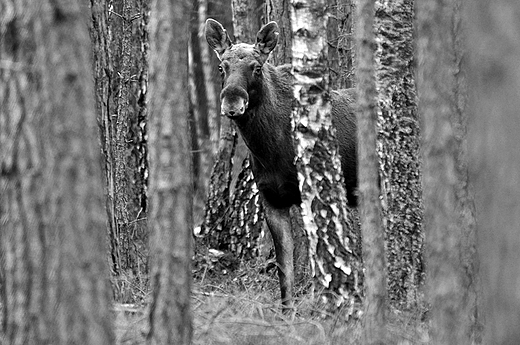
column 399, row 138
column 119, row 38
column 449, row 215
column 332, row 247
column 494, row 150
column 340, row 37
column 370, row 205
column 55, row 287
column 204, row 103
column 171, row 196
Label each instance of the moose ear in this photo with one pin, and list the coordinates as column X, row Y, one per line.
column 267, row 38
column 216, row 36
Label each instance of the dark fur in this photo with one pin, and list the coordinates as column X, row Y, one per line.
column 259, row 98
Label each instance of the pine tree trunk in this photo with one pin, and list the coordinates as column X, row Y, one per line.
column 449, row 215
column 120, row 45
column 204, row 102
column 494, row 150
column 171, row 198
column 370, row 204
column 55, row 287
column 399, row 138
column 340, row 37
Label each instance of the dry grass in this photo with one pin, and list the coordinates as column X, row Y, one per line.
column 241, row 307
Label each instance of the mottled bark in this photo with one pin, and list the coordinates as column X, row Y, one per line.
column 332, row 247
column 494, row 151
column 119, row 39
column 55, row 282
column 372, row 234
column 218, row 205
column 449, row 215
column 171, row 198
column 399, row 138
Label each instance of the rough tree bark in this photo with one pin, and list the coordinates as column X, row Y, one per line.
column 340, row 37
column 449, row 215
column 372, row 233
column 54, row 277
column 398, row 144
column 170, row 220
column 119, row 39
column 494, row 150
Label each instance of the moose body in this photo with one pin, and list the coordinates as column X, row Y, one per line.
column 258, row 97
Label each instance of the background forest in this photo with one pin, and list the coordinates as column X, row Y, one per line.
column 129, row 213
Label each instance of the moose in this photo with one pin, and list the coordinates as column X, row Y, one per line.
column 258, row 97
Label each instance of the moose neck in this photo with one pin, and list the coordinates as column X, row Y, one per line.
column 266, row 125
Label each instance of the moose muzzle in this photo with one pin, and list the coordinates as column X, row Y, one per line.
column 234, row 102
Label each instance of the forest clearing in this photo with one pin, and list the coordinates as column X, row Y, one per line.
column 259, row 172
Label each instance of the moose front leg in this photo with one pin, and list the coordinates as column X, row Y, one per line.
column 279, row 223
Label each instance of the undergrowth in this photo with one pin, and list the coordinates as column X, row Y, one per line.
column 241, row 306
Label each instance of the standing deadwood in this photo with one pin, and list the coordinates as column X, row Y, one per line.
column 119, row 38
column 494, row 151
column 170, row 220
column 54, row 278
column 331, row 246
column 448, row 215
column 398, row 145
column 372, row 233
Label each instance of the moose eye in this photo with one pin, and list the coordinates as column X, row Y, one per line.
column 258, row 69
column 220, row 69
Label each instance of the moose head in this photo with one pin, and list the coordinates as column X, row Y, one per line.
column 241, row 66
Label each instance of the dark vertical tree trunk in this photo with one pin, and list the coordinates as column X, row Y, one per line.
column 399, row 138
column 54, row 278
column 204, row 102
column 494, row 150
column 171, row 198
column 370, row 205
column 119, row 38
column 340, row 37
column 449, row 215
column 279, row 11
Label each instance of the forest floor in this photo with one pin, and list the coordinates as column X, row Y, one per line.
column 241, row 306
